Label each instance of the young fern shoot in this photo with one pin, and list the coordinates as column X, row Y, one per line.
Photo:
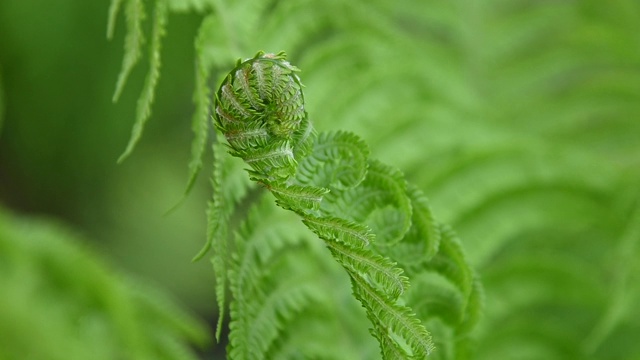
column 361, row 208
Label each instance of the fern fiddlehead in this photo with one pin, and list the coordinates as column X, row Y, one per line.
column 260, row 111
column 361, row 208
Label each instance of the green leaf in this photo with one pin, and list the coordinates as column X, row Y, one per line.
column 338, row 159
column 271, row 161
column 451, row 263
column 399, row 319
column 380, row 201
column 227, row 191
column 268, row 290
column 200, row 122
column 114, row 9
column 387, row 277
column 143, row 109
column 134, row 39
column 333, row 228
column 295, row 197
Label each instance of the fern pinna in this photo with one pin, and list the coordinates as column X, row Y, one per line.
column 367, row 215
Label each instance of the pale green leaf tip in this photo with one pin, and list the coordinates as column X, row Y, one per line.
column 111, row 21
column 122, row 80
column 127, row 151
column 202, row 252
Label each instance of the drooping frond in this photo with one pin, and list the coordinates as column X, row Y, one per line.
column 135, row 14
column 143, row 107
column 201, row 99
column 228, row 190
column 114, row 9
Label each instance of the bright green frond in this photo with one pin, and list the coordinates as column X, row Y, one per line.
column 201, row 99
column 135, row 14
column 399, row 319
column 384, row 273
column 339, row 159
column 297, row 198
column 333, row 228
column 143, row 109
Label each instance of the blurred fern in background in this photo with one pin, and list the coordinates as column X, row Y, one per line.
column 519, row 119
column 60, row 302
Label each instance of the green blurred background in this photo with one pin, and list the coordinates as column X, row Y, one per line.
column 62, row 136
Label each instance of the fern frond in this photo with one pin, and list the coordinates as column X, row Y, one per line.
column 246, row 137
column 516, row 117
column 338, row 159
column 217, row 236
column 143, row 107
column 333, row 228
column 433, row 296
column 381, row 270
column 200, row 122
column 134, row 39
column 342, row 195
column 278, row 308
column 475, row 305
column 304, row 197
column 451, row 263
column 380, row 201
column 389, row 349
column 422, row 241
column 114, row 9
column 264, row 304
column 399, row 319
column 423, row 226
column 273, row 161
column 227, row 191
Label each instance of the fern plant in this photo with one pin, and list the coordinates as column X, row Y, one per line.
column 518, row 118
column 343, row 197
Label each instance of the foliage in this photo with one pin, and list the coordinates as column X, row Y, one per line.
column 341, row 196
column 518, row 118
column 57, row 294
